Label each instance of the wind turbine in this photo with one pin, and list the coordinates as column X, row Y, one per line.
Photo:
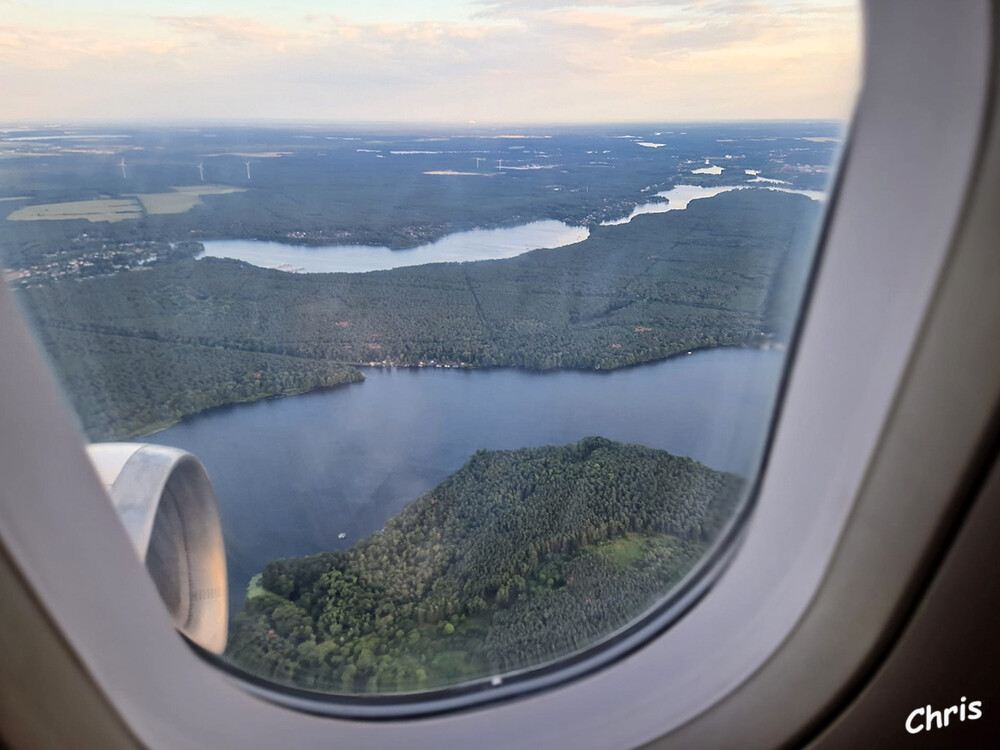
column 499, row 165
column 201, row 171
column 248, row 170
column 479, row 159
column 124, row 172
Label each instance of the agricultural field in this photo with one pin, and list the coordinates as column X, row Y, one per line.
column 132, row 206
column 180, row 199
column 106, row 209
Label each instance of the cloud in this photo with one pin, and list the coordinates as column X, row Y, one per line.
column 230, row 28
column 544, row 5
column 725, row 7
column 530, row 60
column 61, row 49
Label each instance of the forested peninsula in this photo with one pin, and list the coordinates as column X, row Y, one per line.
column 140, row 349
column 519, row 557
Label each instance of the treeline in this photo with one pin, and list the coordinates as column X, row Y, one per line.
column 519, row 557
column 660, row 285
column 126, row 385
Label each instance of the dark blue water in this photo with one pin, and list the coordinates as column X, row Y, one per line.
column 292, row 474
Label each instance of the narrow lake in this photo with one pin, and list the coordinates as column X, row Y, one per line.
column 476, row 244
column 294, row 474
column 679, row 196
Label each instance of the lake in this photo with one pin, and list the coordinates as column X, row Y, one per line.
column 293, row 474
column 475, row 244
column 679, row 196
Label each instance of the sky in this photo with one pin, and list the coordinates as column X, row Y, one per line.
column 440, row 61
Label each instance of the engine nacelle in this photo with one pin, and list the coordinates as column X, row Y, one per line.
column 166, row 502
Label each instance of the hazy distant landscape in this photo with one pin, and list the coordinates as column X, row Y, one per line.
column 390, row 187
column 506, row 556
column 318, row 187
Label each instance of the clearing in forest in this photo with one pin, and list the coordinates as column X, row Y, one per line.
column 132, row 206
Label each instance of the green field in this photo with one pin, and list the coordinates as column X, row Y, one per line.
column 181, row 199
column 626, row 550
column 105, row 209
column 132, row 206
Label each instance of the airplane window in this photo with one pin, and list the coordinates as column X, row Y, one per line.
column 476, row 313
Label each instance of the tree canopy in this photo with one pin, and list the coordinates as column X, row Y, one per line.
column 520, row 557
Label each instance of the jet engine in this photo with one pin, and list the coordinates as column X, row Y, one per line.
column 166, row 502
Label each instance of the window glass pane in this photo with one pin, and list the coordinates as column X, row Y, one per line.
column 524, row 275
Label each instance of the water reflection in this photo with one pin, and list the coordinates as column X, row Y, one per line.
column 476, row 244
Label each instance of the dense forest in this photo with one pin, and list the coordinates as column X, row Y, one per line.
column 519, row 557
column 137, row 384
column 143, row 348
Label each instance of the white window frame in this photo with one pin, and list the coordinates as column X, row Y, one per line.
column 813, row 563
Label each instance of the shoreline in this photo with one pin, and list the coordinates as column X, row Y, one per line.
column 161, row 426
column 376, row 240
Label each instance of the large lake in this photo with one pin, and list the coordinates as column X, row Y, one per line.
column 293, row 474
column 475, row 244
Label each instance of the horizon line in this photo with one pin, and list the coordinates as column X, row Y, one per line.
column 312, row 122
